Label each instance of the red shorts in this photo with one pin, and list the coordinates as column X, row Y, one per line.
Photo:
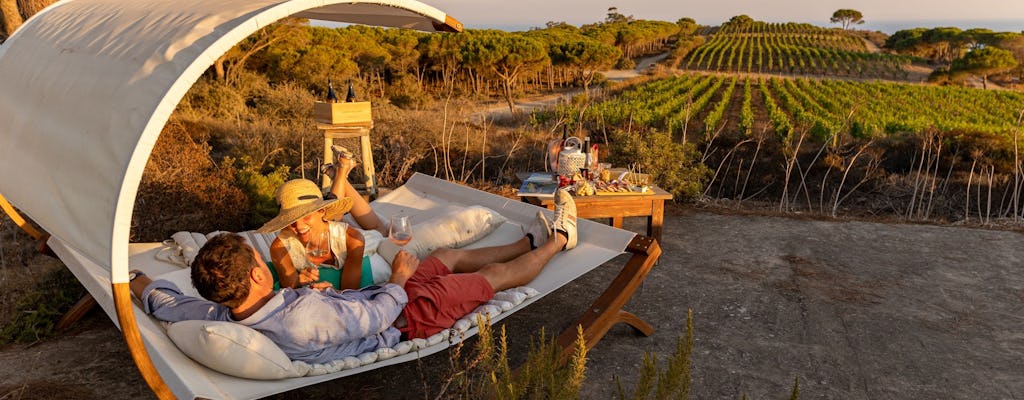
column 438, row 298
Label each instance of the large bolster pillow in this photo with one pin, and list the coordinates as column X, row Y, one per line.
column 453, row 230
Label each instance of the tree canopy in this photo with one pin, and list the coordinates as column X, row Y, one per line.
column 505, row 56
column 985, row 62
column 847, row 17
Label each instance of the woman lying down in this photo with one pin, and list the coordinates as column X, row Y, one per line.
column 320, row 324
column 313, row 247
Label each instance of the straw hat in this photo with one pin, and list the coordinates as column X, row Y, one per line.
column 301, row 197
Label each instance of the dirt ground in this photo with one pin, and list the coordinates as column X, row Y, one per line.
column 856, row 310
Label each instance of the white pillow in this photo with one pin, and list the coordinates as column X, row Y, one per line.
column 233, row 349
column 453, row 230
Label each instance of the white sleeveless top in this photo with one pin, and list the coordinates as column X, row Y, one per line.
column 337, row 239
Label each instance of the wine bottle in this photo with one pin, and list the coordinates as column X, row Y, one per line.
column 351, row 96
column 331, row 96
column 587, row 161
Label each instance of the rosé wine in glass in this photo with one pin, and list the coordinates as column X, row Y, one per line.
column 400, row 232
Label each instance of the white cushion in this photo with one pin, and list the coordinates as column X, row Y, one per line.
column 233, row 349
column 453, row 230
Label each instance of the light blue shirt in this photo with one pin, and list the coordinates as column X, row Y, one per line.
column 310, row 326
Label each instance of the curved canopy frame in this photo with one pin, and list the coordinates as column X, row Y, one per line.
column 86, row 87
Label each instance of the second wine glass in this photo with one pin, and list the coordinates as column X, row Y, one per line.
column 400, row 232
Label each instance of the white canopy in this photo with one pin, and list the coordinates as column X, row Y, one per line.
column 86, row 87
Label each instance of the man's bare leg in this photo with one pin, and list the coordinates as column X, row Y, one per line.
column 524, row 268
column 471, row 260
column 466, row 261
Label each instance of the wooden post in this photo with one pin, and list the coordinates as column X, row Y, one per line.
column 126, row 317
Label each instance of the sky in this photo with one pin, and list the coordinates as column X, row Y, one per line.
column 885, row 15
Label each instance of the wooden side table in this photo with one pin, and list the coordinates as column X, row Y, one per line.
column 617, row 207
column 359, row 131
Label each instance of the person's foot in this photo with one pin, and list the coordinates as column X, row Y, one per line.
column 344, row 160
column 564, row 221
column 341, row 153
column 539, row 231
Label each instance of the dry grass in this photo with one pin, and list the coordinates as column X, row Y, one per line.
column 23, row 273
column 183, row 189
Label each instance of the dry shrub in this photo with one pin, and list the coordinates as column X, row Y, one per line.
column 402, row 140
column 406, row 93
column 183, row 189
column 448, row 143
column 31, row 7
column 286, row 104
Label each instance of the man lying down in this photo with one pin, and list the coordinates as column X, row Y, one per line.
column 422, row 297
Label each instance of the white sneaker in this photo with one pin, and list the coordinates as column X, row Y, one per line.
column 565, row 217
column 540, row 230
column 341, row 152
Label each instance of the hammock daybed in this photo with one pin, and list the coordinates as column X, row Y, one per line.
column 86, row 86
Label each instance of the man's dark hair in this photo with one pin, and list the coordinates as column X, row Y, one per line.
column 220, row 271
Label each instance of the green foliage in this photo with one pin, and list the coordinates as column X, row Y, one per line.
column 38, row 311
column 486, row 373
column 822, row 107
column 687, row 26
column 505, row 56
column 943, row 45
column 675, row 167
column 259, row 188
column 568, row 48
column 795, row 395
column 847, row 17
column 985, row 62
column 755, row 46
column 738, row 22
column 672, row 383
column 746, row 111
column 634, row 38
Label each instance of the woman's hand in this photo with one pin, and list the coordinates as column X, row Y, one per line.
column 320, row 286
column 309, row 276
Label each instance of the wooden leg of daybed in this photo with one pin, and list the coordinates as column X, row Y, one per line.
column 126, row 318
column 607, row 310
column 21, row 222
column 76, row 312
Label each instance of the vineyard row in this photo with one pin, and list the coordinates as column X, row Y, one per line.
column 696, row 104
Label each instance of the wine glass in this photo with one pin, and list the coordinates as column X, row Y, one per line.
column 400, row 232
column 318, row 244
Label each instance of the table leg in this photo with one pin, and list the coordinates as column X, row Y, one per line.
column 617, row 221
column 655, row 221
